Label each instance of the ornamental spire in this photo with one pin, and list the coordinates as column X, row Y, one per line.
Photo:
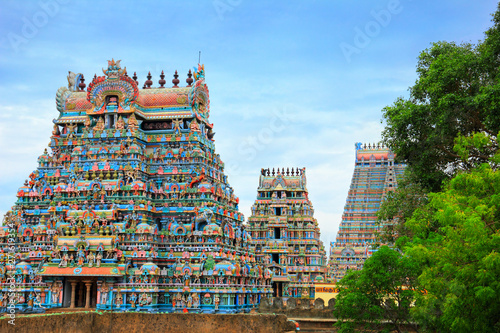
column 82, row 84
column 162, row 80
column 148, row 82
column 176, row 81
column 189, row 79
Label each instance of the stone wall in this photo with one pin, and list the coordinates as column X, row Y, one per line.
column 297, row 308
column 144, row 322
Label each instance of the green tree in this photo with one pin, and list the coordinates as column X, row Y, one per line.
column 382, row 291
column 457, row 242
column 457, row 92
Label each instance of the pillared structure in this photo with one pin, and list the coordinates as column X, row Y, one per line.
column 285, row 234
column 130, row 208
column 375, row 173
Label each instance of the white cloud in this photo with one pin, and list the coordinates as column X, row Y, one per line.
column 24, row 133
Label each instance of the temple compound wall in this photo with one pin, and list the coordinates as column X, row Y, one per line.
column 149, row 322
column 375, row 174
column 294, row 307
column 285, row 234
column 129, row 209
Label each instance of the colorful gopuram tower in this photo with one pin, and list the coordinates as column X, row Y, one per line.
column 130, row 209
column 285, row 234
column 375, row 173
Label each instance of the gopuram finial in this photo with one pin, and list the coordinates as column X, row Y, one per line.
column 175, row 80
column 189, row 79
column 148, row 82
column 82, row 84
column 162, row 81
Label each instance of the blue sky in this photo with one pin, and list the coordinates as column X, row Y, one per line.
column 292, row 83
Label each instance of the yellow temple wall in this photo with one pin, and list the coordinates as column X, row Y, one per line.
column 325, row 291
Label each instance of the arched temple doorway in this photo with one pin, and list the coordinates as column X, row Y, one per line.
column 80, row 293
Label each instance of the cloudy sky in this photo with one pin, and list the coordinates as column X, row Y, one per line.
column 292, row 83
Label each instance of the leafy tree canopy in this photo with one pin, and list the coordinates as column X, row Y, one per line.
column 383, row 290
column 457, row 93
column 457, row 242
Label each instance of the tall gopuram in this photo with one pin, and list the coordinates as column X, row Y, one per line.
column 129, row 208
column 375, row 173
column 285, row 234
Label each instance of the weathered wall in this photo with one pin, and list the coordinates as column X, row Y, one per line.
column 297, row 308
column 81, row 322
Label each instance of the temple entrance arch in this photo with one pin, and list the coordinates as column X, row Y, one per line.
column 80, row 293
